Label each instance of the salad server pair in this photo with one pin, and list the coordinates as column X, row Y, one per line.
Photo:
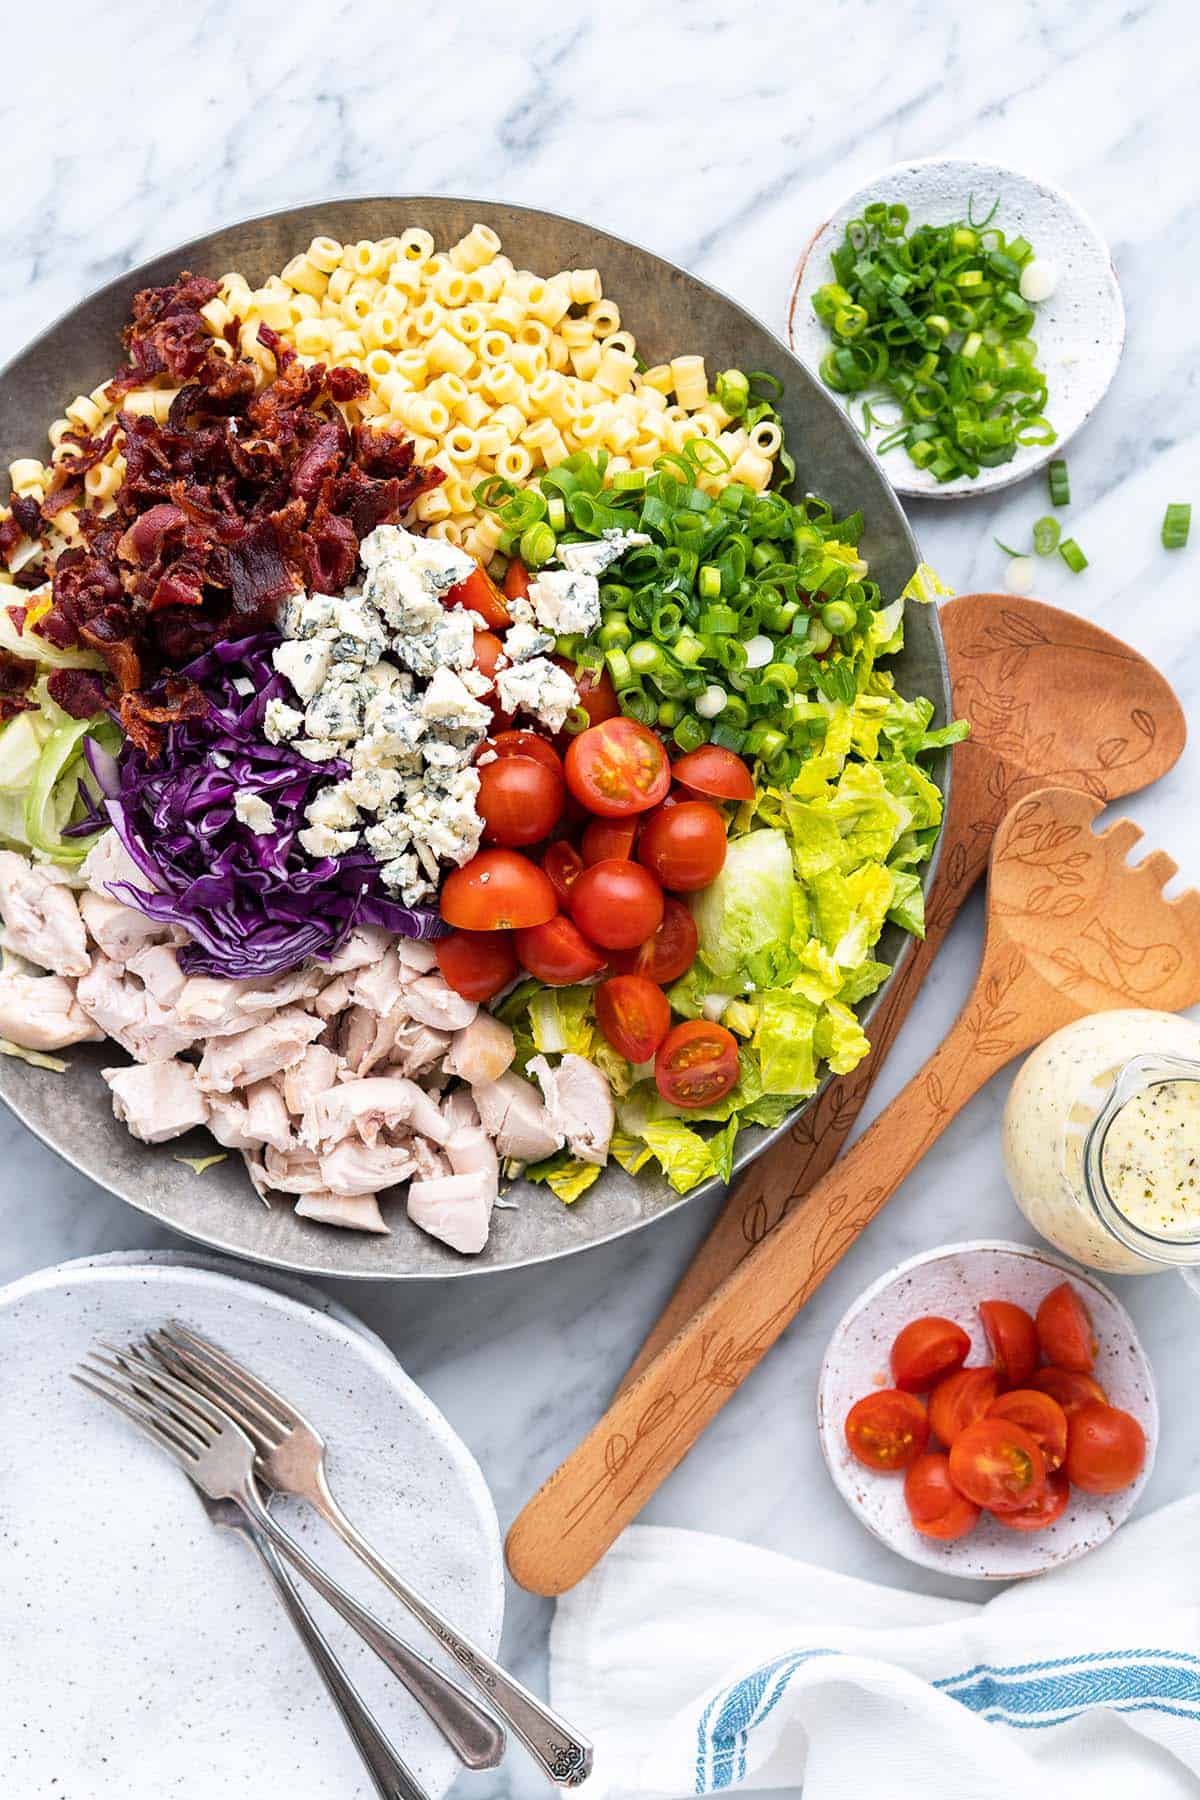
column 232, row 1435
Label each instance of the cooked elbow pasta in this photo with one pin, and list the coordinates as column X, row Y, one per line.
column 493, row 370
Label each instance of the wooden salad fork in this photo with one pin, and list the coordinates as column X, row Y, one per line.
column 1072, row 929
column 1051, row 699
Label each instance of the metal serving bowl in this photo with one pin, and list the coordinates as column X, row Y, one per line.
column 669, row 312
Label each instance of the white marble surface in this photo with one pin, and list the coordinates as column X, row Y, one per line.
column 719, row 136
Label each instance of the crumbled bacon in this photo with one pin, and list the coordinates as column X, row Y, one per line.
column 142, row 719
column 238, row 499
column 80, row 692
column 16, row 678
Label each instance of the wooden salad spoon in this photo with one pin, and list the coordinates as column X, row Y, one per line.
column 1051, row 700
column 1071, row 929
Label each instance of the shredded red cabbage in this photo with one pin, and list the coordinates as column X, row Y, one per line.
column 254, row 906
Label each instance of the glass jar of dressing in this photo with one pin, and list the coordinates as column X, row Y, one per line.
column 1102, row 1141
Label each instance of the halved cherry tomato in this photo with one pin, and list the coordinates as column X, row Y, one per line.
column 667, row 955
column 495, row 890
column 597, row 695
column 887, row 1430
column 557, row 952
column 480, row 593
column 516, row 580
column 1042, row 1417
column 616, row 904
column 1064, row 1329
column 1069, row 1387
column 1013, row 1338
column 926, row 1351
column 960, row 1400
column 617, row 768
column 935, row 1506
column 1050, row 1504
column 1105, row 1449
column 998, row 1465
column 684, row 845
column 476, row 964
column 525, row 743
column 606, row 839
column 488, row 648
column 562, row 863
column 520, row 801
column 696, row 1064
column 634, row 1016
column 712, row 770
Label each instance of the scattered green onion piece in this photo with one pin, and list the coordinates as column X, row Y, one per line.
column 1073, row 556
column 1046, row 533
column 1060, row 482
column 839, row 617
column 1176, row 525
column 556, row 513
column 615, row 633
column 1007, row 548
column 709, row 582
column 819, row 637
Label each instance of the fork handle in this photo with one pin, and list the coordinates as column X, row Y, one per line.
column 559, row 1751
column 391, row 1778
column 474, row 1736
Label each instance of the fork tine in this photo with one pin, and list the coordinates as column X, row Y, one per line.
column 147, row 1425
column 209, row 1418
column 280, row 1411
column 244, row 1412
column 124, row 1381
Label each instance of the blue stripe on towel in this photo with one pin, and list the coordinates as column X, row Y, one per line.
column 1026, row 1696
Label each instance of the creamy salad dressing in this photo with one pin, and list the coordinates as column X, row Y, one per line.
column 1056, row 1097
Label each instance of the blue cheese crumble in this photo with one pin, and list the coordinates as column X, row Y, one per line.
column 255, row 813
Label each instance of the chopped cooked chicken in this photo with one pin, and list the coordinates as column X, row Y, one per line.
column 267, row 1117
column 416, row 955
column 428, row 1163
column 213, row 1006
column 41, row 917
column 453, row 1208
column 431, row 1000
column 415, row 1048
column 470, row 1151
column 317, row 1070
column 294, row 1171
column 355, row 1212
column 157, row 966
column 39, row 1012
column 353, row 1167
column 108, row 863
column 378, row 987
column 364, row 1039
column 229, row 1122
column 280, row 1041
column 511, row 1112
column 289, row 989
column 366, row 944
column 332, row 999
column 580, row 1104
column 119, row 930
column 459, row 1110
column 482, row 1051
column 382, row 1102
column 124, row 1008
column 157, row 1101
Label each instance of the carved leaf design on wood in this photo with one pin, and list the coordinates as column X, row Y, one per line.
column 1111, row 752
column 1015, row 628
column 1144, row 722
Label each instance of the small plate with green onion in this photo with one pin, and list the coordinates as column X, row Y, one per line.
column 968, row 316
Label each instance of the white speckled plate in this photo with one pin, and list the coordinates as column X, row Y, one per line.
column 1079, row 331
column 951, row 1283
column 145, row 1653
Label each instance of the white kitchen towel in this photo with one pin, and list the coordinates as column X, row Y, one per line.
column 699, row 1664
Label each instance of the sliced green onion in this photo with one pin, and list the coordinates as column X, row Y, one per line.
column 819, row 637
column 1073, row 556
column 1060, row 482
column 839, row 617
column 1046, row 533
column 1176, row 525
column 538, row 544
column 689, row 734
column 1007, row 549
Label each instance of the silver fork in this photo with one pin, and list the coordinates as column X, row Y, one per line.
column 213, row 1450
column 391, row 1778
column 291, row 1459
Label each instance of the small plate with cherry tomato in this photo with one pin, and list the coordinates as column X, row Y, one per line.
column 986, row 1409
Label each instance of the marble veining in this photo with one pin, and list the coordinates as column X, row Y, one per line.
column 719, row 137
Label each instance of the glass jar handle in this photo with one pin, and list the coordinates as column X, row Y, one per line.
column 1148, row 1070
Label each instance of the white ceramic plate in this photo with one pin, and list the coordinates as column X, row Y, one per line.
column 1079, row 330
column 951, row 1283
column 144, row 1651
